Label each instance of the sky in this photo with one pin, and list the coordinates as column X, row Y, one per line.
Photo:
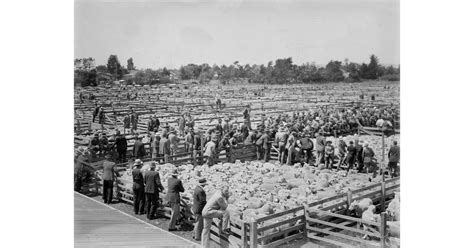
column 158, row 33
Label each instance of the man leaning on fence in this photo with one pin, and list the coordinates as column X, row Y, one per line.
column 199, row 201
column 216, row 207
column 138, row 188
column 175, row 186
column 152, row 190
column 108, row 178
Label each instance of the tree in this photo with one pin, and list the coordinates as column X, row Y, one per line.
column 130, row 65
column 114, row 67
column 333, row 72
column 165, row 72
column 354, row 73
column 283, row 71
column 373, row 71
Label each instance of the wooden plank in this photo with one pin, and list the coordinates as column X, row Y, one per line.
column 282, row 232
column 280, row 214
column 341, row 217
column 294, row 219
column 337, row 234
column 332, row 198
column 343, row 227
column 330, row 241
column 282, row 241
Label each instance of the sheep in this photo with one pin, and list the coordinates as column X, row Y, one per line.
column 393, row 228
column 393, row 209
column 359, row 206
column 369, row 215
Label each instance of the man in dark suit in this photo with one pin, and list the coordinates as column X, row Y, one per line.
column 139, row 149
column 108, row 179
column 152, row 190
column 350, row 156
column 199, row 201
column 164, row 148
column 265, row 145
column 121, row 145
column 175, row 186
column 393, row 159
column 138, row 188
column 197, row 147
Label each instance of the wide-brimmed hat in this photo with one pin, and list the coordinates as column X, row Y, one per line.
column 138, row 162
column 202, row 181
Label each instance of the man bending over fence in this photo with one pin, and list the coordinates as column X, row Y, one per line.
column 216, row 207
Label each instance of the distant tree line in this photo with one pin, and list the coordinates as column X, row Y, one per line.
column 282, row 71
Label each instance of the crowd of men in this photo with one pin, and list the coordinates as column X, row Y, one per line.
column 292, row 135
column 300, row 137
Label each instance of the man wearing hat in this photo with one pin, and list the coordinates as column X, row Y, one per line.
column 138, row 188
column 139, row 149
column 210, row 151
column 320, row 147
column 154, row 146
column 328, row 155
column 121, row 146
column 265, row 145
column 79, row 159
column 368, row 156
column 175, row 186
column 290, row 147
column 341, row 148
column 224, row 144
column 280, row 139
column 164, row 148
column 189, row 140
column 152, row 190
column 94, row 144
column 199, row 201
column 108, row 178
column 306, row 147
column 216, row 207
column 197, row 146
column 174, row 141
column 359, row 159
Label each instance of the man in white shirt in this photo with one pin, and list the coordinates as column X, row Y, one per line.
column 216, row 207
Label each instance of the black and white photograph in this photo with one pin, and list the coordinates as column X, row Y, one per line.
column 237, row 123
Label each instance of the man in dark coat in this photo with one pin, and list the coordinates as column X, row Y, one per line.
column 164, row 147
column 197, row 147
column 152, row 190
column 175, row 186
column 266, row 146
column 121, row 145
column 139, row 149
column 320, row 146
column 393, row 159
column 108, row 178
column 306, row 147
column 350, row 155
column 95, row 113
column 359, row 158
column 199, row 201
column 138, row 188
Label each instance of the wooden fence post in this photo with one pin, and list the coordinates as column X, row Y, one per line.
column 349, row 199
column 382, row 185
column 253, row 233
column 383, row 226
column 243, row 236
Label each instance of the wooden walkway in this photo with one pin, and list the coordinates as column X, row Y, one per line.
column 98, row 225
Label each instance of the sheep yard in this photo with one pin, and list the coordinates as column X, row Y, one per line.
column 271, row 204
